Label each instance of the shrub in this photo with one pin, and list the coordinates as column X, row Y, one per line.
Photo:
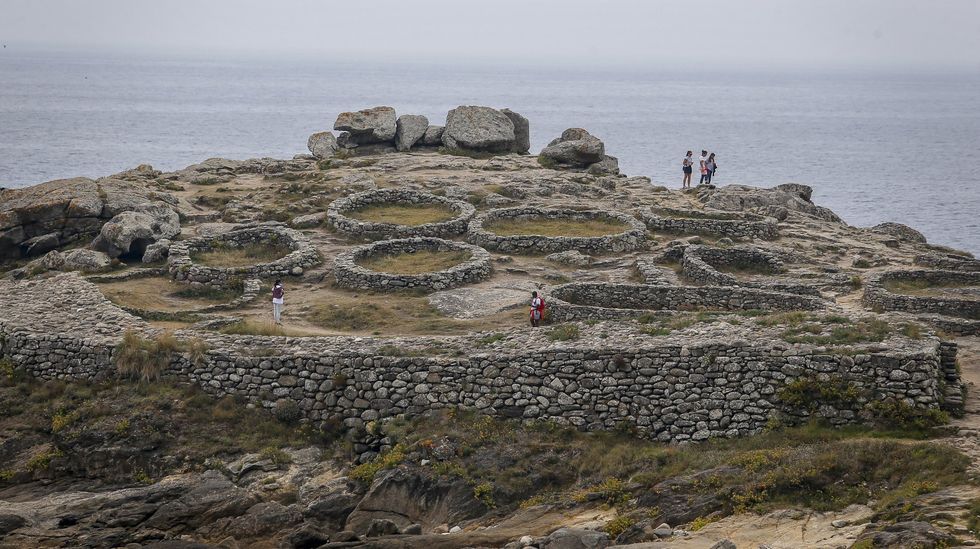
column 366, row 471
column 699, row 523
column 490, row 339
column 856, row 282
column 140, row 476
column 144, row 359
column 810, row 393
column 618, row 525
column 484, row 493
column 42, row 460
column 277, row 456
column 62, row 420
column 861, row 263
column 288, row 412
column 897, row 414
column 565, row 332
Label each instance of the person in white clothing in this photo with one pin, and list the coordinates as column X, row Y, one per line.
column 703, row 163
column 277, row 301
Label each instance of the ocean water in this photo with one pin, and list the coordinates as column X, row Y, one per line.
column 874, row 147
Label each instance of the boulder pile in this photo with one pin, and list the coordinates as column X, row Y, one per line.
column 578, row 149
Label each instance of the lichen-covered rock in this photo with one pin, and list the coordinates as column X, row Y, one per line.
column 130, row 232
column 478, row 128
column 374, row 125
column 322, row 144
column 158, row 251
column 905, row 534
column 792, row 196
column 899, row 231
column 409, row 129
column 609, row 165
column 522, row 132
column 432, row 136
column 575, row 148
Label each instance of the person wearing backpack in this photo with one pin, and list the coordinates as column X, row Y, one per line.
column 537, row 309
column 712, row 166
column 277, row 301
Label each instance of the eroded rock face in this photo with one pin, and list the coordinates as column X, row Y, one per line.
column 432, row 136
column 792, row 196
column 322, row 144
column 575, row 148
column 35, row 220
column 374, row 125
column 899, row 231
column 522, row 132
column 479, row 129
column 409, row 129
column 131, row 232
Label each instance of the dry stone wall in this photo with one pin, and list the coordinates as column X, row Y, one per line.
column 337, row 215
column 350, row 274
column 299, row 254
column 730, row 224
column 481, row 232
column 877, row 296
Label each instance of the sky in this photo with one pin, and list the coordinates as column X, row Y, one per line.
column 930, row 35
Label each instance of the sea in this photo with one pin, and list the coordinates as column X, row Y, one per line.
column 874, row 146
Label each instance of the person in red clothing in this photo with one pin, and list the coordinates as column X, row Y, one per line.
column 537, row 309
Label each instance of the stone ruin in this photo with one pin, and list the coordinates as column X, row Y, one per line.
column 298, row 254
column 481, row 232
column 338, row 219
column 701, row 264
column 718, row 223
column 953, row 314
column 349, row 274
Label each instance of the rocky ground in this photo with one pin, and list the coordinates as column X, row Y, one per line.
column 124, row 464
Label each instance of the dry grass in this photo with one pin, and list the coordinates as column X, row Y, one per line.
column 144, row 359
column 403, row 214
column 240, row 257
column 556, row 227
column 933, row 289
column 424, row 261
column 251, row 326
column 386, row 314
column 162, row 294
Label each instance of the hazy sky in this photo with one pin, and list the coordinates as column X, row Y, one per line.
column 888, row 34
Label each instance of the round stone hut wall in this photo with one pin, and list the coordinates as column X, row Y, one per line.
column 877, row 295
column 299, row 254
column 350, row 274
column 337, row 215
column 720, row 223
column 481, row 232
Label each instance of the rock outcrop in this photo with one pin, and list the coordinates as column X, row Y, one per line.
column 576, row 148
column 899, row 231
column 368, row 126
column 37, row 219
column 409, row 129
column 130, row 232
column 522, row 132
column 322, row 144
column 792, row 196
column 432, row 136
column 479, row 129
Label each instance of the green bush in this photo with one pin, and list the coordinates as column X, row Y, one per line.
column 897, row 414
column 366, row 472
column 810, row 393
column 288, row 412
column 564, row 332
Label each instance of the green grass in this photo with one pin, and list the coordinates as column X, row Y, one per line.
column 862, row 331
column 564, row 332
column 239, row 257
column 262, row 328
column 144, row 359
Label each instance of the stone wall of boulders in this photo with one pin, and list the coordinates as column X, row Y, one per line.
column 337, row 215
column 592, row 300
column 700, row 265
column 350, row 274
column 299, row 254
column 676, row 391
column 481, row 232
column 948, row 262
column 730, row 224
column 878, row 297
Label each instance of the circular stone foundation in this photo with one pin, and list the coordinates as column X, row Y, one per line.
column 629, row 238
column 720, row 223
column 298, row 254
column 351, row 274
column 884, row 291
column 341, row 214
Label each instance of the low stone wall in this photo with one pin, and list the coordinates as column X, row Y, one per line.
column 878, row 297
column 351, row 275
column 302, row 255
column 593, row 300
column 700, row 265
column 719, row 223
column 948, row 262
column 481, row 234
column 338, row 219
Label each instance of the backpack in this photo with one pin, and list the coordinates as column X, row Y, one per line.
column 277, row 292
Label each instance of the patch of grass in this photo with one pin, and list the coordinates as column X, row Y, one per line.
column 239, row 257
column 699, row 523
column 919, row 287
column 423, row 261
column 811, row 393
column 278, row 457
column 546, row 162
column 856, row 282
column 250, row 326
column 790, row 318
column 911, row 330
column 165, row 295
column 144, row 359
column 403, row 214
column 42, row 460
column 556, row 227
column 366, row 472
column 483, row 492
column 896, row 414
column 490, row 339
column 618, row 525
column 564, row 332
column 861, row 263
column 862, row 331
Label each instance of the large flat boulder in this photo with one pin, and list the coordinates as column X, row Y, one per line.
column 130, row 233
column 364, row 127
column 575, row 148
column 322, row 144
column 478, row 129
column 792, row 196
column 64, row 211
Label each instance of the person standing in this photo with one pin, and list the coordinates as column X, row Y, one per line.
column 688, row 165
column 703, row 166
column 278, row 293
column 537, row 309
column 711, row 165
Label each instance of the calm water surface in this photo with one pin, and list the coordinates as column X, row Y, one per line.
column 874, row 147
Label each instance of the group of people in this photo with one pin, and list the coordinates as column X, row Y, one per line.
column 279, row 294
column 706, row 165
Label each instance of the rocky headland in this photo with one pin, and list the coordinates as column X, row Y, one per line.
column 718, row 367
